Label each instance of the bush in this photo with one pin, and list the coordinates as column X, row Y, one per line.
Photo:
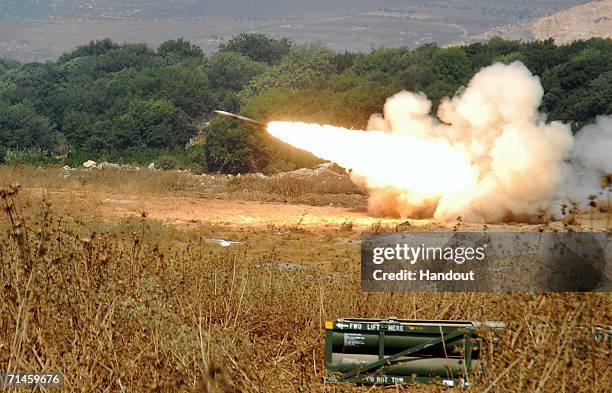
column 230, row 148
column 195, row 159
column 33, row 156
column 166, row 163
column 258, row 47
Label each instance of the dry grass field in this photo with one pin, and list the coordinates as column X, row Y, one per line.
column 115, row 279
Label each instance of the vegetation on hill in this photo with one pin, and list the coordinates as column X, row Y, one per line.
column 131, row 103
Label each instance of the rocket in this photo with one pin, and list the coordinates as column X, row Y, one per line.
column 241, row 119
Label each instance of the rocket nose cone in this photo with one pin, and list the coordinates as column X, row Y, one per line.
column 240, row 118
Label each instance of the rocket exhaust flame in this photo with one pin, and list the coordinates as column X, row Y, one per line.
column 383, row 158
column 488, row 156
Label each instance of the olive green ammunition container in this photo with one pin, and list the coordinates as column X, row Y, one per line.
column 393, row 351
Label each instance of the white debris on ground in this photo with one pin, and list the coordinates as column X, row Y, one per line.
column 324, row 175
column 222, row 242
column 323, row 170
column 328, row 169
column 108, row 165
column 89, row 164
column 66, row 171
column 283, row 266
column 343, row 240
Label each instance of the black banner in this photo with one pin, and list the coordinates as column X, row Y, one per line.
column 486, row 261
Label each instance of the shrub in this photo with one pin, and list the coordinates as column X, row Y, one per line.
column 33, row 156
column 195, row 159
column 167, row 162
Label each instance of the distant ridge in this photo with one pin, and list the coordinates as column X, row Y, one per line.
column 584, row 21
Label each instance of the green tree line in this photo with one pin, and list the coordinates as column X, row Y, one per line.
column 131, row 103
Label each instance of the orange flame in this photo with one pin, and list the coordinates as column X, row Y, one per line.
column 430, row 168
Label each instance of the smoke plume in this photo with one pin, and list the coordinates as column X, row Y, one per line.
column 488, row 156
column 588, row 162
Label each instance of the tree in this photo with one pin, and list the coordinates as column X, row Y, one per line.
column 346, row 59
column 574, row 89
column 229, row 147
column 351, row 108
column 31, row 81
column 150, row 123
column 258, row 47
column 387, row 60
column 112, row 59
column 594, row 99
column 510, row 58
column 127, row 101
column 305, row 67
column 540, row 56
column 6, row 65
column 76, row 127
column 228, row 73
column 94, row 48
column 186, row 85
column 21, row 127
column 177, row 50
column 416, row 77
column 232, row 71
column 452, row 65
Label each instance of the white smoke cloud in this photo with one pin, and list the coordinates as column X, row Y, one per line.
column 588, row 162
column 518, row 156
column 488, row 155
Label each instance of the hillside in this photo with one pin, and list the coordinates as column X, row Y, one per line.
column 39, row 30
column 589, row 20
column 593, row 19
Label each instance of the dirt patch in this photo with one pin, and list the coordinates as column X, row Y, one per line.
column 192, row 210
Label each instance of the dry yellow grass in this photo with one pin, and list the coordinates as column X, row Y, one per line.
column 308, row 187
column 133, row 304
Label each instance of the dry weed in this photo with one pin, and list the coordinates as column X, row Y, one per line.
column 139, row 306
